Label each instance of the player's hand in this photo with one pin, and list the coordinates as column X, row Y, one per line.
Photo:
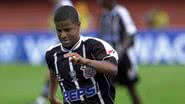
column 75, row 57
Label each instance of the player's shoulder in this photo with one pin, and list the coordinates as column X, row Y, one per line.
column 92, row 40
column 120, row 9
column 53, row 48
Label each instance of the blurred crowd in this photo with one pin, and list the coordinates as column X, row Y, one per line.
column 34, row 14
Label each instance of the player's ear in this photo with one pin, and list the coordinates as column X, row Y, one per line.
column 79, row 23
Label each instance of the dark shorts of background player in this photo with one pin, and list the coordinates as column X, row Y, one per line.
column 124, row 66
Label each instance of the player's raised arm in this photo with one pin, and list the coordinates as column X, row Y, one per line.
column 100, row 66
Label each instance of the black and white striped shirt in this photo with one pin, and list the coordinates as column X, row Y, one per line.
column 88, row 86
column 115, row 24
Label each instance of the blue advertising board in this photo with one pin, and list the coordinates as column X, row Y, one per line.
column 26, row 47
column 156, row 47
column 151, row 47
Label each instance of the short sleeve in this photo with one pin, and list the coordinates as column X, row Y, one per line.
column 101, row 50
column 49, row 61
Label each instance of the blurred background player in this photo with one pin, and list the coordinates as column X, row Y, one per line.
column 42, row 98
column 117, row 28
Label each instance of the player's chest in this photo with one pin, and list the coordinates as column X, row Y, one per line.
column 66, row 68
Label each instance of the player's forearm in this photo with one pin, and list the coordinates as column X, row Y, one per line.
column 102, row 66
column 52, row 87
column 52, row 93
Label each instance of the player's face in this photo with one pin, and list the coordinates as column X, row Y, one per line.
column 68, row 32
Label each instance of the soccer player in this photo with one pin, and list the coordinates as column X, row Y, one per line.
column 83, row 67
column 41, row 99
column 117, row 28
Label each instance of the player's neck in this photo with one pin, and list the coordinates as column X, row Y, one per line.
column 73, row 46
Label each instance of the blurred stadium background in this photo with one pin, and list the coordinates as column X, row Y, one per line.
column 26, row 32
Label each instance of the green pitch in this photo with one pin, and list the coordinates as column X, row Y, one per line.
column 20, row 84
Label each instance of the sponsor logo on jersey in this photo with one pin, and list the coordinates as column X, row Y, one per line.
column 110, row 51
column 74, row 95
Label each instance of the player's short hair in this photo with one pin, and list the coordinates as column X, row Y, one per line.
column 66, row 13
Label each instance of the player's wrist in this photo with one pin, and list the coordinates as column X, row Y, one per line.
column 85, row 61
column 52, row 99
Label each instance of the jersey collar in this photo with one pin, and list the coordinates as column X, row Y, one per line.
column 77, row 45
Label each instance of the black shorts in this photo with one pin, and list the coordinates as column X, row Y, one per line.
column 127, row 75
